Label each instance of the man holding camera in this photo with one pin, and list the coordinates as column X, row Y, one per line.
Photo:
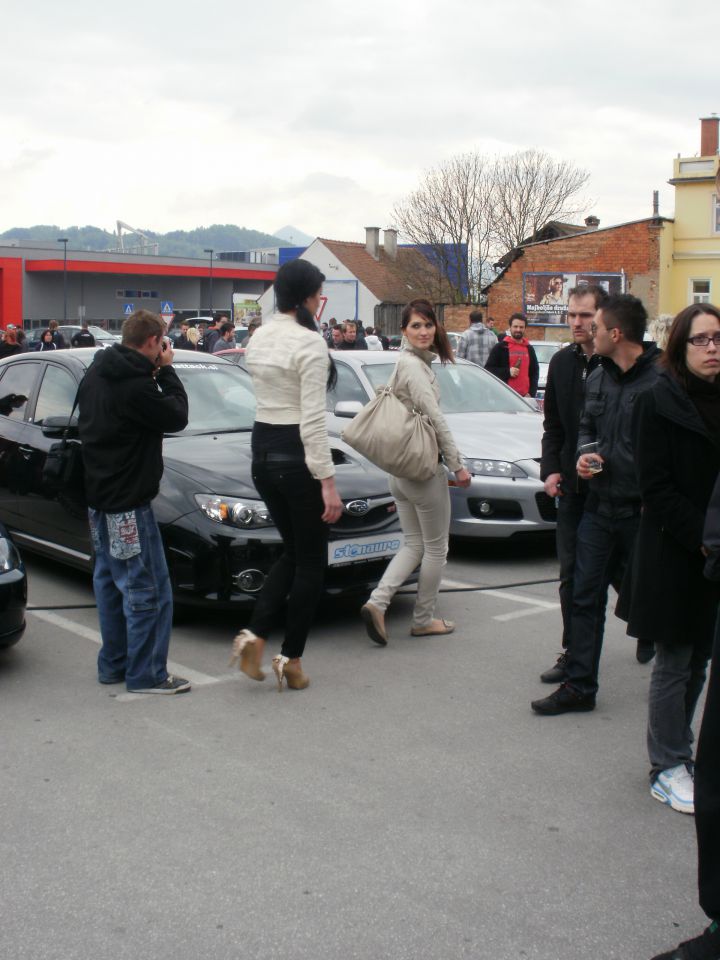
column 129, row 398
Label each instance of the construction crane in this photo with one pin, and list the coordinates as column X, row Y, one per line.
column 145, row 246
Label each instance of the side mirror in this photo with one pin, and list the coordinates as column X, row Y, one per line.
column 54, row 427
column 347, row 408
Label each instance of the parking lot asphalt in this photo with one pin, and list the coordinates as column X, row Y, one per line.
column 409, row 804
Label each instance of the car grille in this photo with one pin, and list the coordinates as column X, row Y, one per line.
column 546, row 507
column 382, row 511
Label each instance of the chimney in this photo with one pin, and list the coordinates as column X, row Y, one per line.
column 656, row 203
column 592, row 222
column 390, row 243
column 709, row 135
column 372, row 242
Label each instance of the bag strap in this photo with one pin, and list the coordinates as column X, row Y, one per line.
column 66, row 431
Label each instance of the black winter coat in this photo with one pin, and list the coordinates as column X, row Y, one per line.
column 610, row 397
column 564, row 398
column 666, row 598
column 124, row 410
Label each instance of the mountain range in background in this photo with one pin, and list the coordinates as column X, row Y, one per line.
column 293, row 236
column 176, row 243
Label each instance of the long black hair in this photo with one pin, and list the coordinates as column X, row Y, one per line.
column 675, row 357
column 295, row 281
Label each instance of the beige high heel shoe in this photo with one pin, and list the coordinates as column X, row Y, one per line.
column 291, row 671
column 247, row 652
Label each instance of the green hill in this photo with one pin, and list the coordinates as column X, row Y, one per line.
column 176, row 243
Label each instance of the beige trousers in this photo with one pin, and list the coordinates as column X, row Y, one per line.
column 424, row 512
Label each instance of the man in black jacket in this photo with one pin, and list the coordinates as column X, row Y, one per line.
column 564, row 398
column 514, row 360
column 129, row 398
column 607, row 530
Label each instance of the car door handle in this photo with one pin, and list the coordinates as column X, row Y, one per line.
column 26, row 452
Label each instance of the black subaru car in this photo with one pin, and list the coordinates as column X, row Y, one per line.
column 219, row 538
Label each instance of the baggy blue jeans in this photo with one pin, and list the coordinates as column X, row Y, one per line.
column 134, row 597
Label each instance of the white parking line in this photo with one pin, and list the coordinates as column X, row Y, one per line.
column 194, row 676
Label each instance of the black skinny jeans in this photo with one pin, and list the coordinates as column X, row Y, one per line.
column 295, row 581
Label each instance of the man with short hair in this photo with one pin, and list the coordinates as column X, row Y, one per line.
column 349, row 340
column 83, row 338
column 336, row 338
column 477, row 342
column 130, row 397
column 491, row 324
column 226, row 338
column 564, row 399
column 608, row 528
column 513, row 359
column 182, row 342
column 372, row 341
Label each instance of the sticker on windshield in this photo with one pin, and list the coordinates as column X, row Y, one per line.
column 197, row 366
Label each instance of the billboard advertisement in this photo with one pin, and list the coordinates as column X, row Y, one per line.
column 545, row 294
column 244, row 310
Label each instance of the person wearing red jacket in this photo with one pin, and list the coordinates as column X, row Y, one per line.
column 514, row 360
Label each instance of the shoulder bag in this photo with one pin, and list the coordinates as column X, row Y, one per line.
column 63, row 472
column 395, row 438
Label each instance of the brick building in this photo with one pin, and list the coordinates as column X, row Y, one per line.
column 633, row 254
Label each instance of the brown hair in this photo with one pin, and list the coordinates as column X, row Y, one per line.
column 140, row 326
column 674, row 359
column 441, row 343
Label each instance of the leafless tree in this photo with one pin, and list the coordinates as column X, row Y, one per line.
column 449, row 213
column 531, row 189
column 472, row 208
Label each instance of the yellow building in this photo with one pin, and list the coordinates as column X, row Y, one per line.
column 690, row 248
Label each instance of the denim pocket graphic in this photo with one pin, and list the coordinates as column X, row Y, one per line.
column 123, row 535
column 95, row 532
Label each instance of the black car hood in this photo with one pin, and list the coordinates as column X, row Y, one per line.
column 221, row 463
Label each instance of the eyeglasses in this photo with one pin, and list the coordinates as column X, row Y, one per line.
column 702, row 341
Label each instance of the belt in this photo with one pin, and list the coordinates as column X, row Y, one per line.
column 277, row 458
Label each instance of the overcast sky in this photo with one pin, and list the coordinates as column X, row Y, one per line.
column 321, row 113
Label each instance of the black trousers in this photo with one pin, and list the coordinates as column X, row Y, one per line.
column 707, row 792
column 569, row 515
column 295, row 582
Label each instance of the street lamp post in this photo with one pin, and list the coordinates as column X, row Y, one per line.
column 64, row 242
column 210, row 251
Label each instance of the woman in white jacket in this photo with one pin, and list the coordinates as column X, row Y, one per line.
column 292, row 470
column 423, row 505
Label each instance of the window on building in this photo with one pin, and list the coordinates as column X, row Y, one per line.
column 716, row 213
column 700, row 291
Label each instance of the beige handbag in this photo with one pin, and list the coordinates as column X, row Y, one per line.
column 396, row 439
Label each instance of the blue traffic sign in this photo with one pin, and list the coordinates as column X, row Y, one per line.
column 167, row 307
column 128, row 309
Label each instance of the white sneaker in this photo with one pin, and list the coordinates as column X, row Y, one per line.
column 675, row 787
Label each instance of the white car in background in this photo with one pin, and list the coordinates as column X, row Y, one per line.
column 545, row 350
column 498, row 433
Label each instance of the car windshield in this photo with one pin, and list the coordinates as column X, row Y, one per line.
column 464, row 388
column 545, row 351
column 220, row 397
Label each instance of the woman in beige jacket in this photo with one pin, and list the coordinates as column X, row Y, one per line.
column 423, row 505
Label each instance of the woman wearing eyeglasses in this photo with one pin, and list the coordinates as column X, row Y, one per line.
column 676, row 441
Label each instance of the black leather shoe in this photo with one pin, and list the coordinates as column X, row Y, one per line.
column 704, row 947
column 564, row 700
column 556, row 673
column 645, row 651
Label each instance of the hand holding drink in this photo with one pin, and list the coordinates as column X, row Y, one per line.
column 589, row 462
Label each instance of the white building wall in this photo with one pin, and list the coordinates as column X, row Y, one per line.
column 348, row 299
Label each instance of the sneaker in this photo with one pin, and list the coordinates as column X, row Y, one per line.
column 556, row 673
column 704, row 947
column 564, row 700
column 645, row 651
column 675, row 787
column 171, row 685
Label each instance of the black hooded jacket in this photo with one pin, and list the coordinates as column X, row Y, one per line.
column 124, row 410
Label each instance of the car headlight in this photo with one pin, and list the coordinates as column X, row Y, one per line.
column 495, row 468
column 246, row 514
column 9, row 557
